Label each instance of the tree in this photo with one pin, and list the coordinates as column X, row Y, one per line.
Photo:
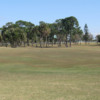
column 77, row 35
column 54, row 32
column 47, row 32
column 44, row 31
column 98, row 38
column 34, row 34
column 12, row 34
column 86, row 35
column 4, row 31
column 69, row 24
column 27, row 28
column 60, row 31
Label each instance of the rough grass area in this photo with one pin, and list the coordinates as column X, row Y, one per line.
column 50, row 73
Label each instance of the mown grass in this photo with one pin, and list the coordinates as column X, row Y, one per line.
column 50, row 73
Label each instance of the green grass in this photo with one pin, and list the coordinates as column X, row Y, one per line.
column 50, row 73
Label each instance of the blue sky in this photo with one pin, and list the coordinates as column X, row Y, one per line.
column 86, row 11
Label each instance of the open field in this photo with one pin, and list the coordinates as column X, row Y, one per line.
column 50, row 73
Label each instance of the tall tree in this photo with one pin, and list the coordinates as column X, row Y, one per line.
column 44, row 31
column 69, row 24
column 60, row 31
column 86, row 33
column 27, row 27
column 47, row 32
column 53, row 33
column 12, row 34
column 34, row 35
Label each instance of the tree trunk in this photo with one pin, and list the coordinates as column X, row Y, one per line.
column 59, row 41
column 85, row 42
column 2, row 43
column 46, row 41
column 6, row 44
column 32, row 43
column 24, row 43
column 52, row 42
column 70, row 40
column 59, row 44
column 66, row 41
column 36, row 42
column 41, row 42
column 27, row 42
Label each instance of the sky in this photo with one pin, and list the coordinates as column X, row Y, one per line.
column 86, row 11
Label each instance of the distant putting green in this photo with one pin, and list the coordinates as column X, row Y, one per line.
column 50, row 73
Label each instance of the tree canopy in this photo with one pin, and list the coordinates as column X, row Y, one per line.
column 65, row 30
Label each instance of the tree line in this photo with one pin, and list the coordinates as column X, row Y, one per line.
column 22, row 33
